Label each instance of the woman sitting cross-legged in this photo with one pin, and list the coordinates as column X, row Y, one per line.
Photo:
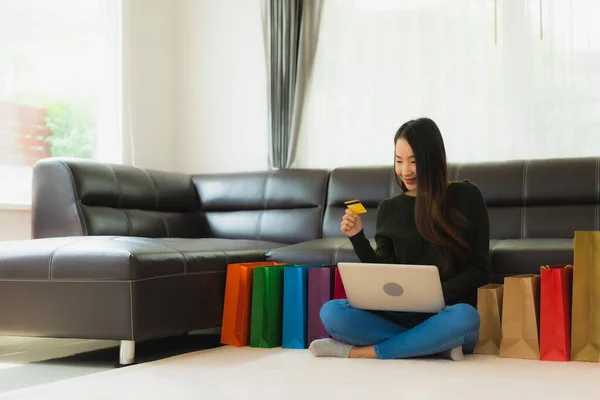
column 432, row 222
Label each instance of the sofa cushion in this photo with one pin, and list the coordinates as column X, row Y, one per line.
column 526, row 256
column 122, row 258
column 507, row 257
column 321, row 251
column 284, row 206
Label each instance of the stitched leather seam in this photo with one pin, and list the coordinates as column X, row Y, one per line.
column 324, row 205
column 128, row 221
column 226, row 259
column 77, row 200
column 167, row 233
column 335, row 252
column 76, row 280
column 157, row 195
column 491, row 262
column 524, row 200
column 51, row 259
column 131, row 308
column 185, row 265
column 257, row 235
column 120, row 201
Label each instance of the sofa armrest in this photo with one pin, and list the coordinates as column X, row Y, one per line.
column 75, row 197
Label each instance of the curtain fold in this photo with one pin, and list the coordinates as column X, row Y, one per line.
column 291, row 29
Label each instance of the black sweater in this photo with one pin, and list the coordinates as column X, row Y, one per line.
column 399, row 242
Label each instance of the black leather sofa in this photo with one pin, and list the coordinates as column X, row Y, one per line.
column 128, row 254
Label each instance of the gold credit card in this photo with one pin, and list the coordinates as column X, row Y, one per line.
column 355, row 206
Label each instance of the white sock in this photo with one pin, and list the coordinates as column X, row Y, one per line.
column 455, row 354
column 329, row 348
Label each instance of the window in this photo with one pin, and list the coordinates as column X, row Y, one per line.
column 504, row 80
column 59, row 86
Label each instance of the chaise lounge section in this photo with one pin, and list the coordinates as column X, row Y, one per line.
column 130, row 254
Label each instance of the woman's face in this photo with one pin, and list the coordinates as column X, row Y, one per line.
column 405, row 166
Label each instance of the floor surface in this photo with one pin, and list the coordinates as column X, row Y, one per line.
column 247, row 373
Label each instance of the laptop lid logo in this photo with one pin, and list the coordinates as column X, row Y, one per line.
column 393, row 289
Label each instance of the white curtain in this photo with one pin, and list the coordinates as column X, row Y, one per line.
column 504, row 79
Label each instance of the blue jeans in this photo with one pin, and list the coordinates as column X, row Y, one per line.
column 403, row 335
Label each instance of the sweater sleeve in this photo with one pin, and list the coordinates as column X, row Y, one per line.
column 475, row 272
column 384, row 254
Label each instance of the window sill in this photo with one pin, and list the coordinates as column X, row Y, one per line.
column 15, row 207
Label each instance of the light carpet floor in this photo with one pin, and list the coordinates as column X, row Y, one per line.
column 246, row 373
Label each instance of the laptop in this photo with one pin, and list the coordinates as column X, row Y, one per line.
column 393, row 287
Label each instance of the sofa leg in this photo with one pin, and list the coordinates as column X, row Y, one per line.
column 126, row 352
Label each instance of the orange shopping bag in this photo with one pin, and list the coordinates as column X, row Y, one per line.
column 235, row 328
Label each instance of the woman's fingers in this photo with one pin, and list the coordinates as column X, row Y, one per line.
column 349, row 217
column 349, row 221
column 347, row 225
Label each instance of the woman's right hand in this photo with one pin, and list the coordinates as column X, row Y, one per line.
column 351, row 224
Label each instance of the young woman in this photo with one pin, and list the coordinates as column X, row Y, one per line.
column 433, row 222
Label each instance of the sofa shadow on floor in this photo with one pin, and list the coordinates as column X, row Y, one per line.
column 151, row 350
column 37, row 373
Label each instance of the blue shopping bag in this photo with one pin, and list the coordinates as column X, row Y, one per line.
column 295, row 281
column 295, row 305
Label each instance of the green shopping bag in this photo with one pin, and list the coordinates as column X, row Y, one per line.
column 267, row 307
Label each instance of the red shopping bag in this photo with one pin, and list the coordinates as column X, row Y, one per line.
column 556, row 283
column 338, row 287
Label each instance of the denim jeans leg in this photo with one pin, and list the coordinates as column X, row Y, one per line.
column 356, row 327
column 455, row 325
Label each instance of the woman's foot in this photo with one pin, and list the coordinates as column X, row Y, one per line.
column 363, row 352
column 455, row 354
column 329, row 348
column 334, row 348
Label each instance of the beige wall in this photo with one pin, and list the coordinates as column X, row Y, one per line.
column 16, row 224
column 148, row 83
column 221, row 92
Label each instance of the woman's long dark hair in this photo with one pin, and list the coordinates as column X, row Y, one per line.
column 436, row 220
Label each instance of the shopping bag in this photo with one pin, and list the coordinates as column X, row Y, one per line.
column 585, row 321
column 295, row 281
column 520, row 317
column 267, row 307
column 338, row 286
column 320, row 291
column 235, row 327
column 489, row 306
column 555, row 312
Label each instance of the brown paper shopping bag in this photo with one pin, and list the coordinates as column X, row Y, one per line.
column 489, row 306
column 585, row 314
column 521, row 317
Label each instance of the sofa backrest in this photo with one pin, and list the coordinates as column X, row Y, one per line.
column 370, row 185
column 525, row 199
column 73, row 197
column 538, row 198
column 284, row 206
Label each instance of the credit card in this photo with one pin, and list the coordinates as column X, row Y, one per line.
column 355, row 206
